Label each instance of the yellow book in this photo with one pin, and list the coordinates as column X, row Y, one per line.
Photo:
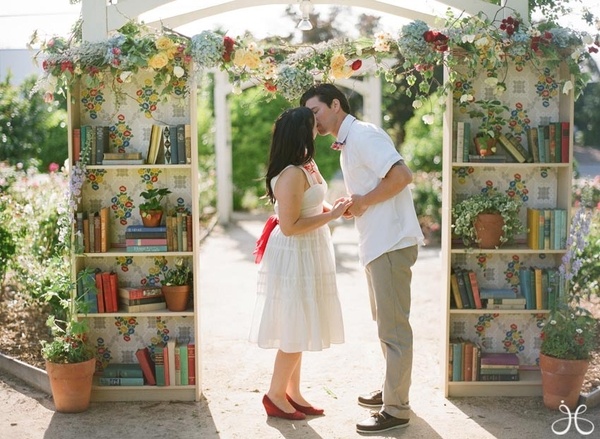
column 533, row 228
column 455, row 291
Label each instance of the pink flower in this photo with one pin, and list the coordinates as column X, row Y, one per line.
column 53, row 167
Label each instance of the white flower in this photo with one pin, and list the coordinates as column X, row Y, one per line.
column 579, row 331
column 483, row 41
column 567, row 87
column 553, row 322
column 178, row 71
column 125, row 76
column 468, row 38
column 491, row 81
column 466, row 98
column 428, row 119
column 417, row 104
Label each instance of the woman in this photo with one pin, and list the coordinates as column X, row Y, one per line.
column 297, row 306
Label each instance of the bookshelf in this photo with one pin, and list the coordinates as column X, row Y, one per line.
column 531, row 103
column 130, row 109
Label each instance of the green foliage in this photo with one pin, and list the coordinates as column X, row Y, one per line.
column 31, row 131
column 465, row 213
column 7, row 241
column 180, row 274
column 569, row 334
column 422, row 148
column 153, row 198
column 427, row 196
column 586, row 115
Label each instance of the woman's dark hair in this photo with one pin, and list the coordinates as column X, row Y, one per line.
column 326, row 94
column 292, row 143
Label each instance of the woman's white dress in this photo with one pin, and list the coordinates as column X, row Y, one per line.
column 297, row 307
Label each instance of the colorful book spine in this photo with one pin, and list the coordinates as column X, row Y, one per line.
column 146, row 248
column 475, row 289
column 105, row 381
column 123, row 370
column 159, row 365
column 145, row 241
column 144, row 358
column 191, row 348
column 158, row 229
column 139, row 292
column 183, row 354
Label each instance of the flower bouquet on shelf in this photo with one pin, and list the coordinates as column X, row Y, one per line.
column 570, row 333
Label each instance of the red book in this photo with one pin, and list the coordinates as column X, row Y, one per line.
column 165, row 352
column 191, row 364
column 132, row 293
column 100, row 293
column 108, row 301
column 97, row 234
column 145, row 360
column 114, row 286
column 475, row 288
column 190, row 239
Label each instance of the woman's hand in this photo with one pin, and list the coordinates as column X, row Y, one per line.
column 340, row 206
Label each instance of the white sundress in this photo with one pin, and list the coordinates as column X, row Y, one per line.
column 297, row 306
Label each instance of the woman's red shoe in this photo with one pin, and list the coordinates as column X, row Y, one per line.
column 276, row 412
column 307, row 410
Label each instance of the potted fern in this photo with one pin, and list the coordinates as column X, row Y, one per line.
column 488, row 219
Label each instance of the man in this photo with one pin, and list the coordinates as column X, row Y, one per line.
column 377, row 180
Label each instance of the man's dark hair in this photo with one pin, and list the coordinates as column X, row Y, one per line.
column 326, row 94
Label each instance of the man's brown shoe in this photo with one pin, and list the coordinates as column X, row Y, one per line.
column 380, row 421
column 371, row 400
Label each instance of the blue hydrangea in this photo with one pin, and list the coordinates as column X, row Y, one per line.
column 207, row 49
column 292, row 82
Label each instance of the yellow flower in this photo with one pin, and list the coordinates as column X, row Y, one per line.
column 339, row 69
column 337, row 61
column 158, row 61
column 164, row 43
column 246, row 58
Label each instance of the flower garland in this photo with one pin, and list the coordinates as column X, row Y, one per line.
column 466, row 44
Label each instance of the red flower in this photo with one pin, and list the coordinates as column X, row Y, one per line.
column 53, row 167
column 228, row 42
column 429, row 36
column 356, row 64
column 270, row 87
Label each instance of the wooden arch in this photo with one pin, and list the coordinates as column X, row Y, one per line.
column 101, row 17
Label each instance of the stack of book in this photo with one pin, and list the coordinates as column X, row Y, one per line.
column 547, row 229
column 93, row 230
column 141, row 299
column 541, row 286
column 179, row 232
column 499, row 366
column 502, row 298
column 122, row 374
column 123, row 158
column 146, row 239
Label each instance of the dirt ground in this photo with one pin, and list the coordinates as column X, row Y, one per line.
column 236, row 373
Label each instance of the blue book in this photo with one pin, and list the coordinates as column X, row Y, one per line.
column 457, row 363
column 107, row 381
column 146, row 229
column 123, row 370
column 525, row 287
column 146, row 248
column 497, row 293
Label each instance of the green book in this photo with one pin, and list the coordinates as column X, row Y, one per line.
column 123, row 370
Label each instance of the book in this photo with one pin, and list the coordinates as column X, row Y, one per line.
column 517, row 144
column 177, row 352
column 525, row 287
column 145, row 241
column 142, row 301
column 104, row 229
column 105, row 381
column 511, row 149
column 533, row 144
column 76, row 139
column 143, row 308
column 552, row 142
column 122, row 155
column 468, row 361
column 144, row 229
column 504, row 359
column 496, row 293
column 146, row 248
column 465, row 275
column 565, row 137
column 139, row 292
column 114, row 286
column 498, row 377
column 101, row 143
column 457, row 356
column 122, row 370
column 494, row 158
column 170, row 361
column 475, row 288
column 145, row 235
column 183, row 355
column 517, row 300
column 455, row 291
column 191, row 348
column 538, row 289
column 145, row 360
column 180, row 134
column 100, row 292
column 187, row 130
column 460, row 141
column 169, row 143
column 123, row 162
column 542, row 143
column 533, row 220
column 153, row 147
column 463, row 289
column 159, row 365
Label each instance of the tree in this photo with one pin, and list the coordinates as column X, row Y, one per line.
column 32, row 132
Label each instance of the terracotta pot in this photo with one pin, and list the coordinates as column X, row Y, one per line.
column 562, row 381
column 488, row 227
column 71, row 385
column 151, row 218
column 176, row 296
column 485, row 145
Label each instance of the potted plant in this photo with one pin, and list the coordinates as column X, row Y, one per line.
column 70, row 360
column 492, row 120
column 151, row 210
column 488, row 219
column 569, row 334
column 176, row 285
